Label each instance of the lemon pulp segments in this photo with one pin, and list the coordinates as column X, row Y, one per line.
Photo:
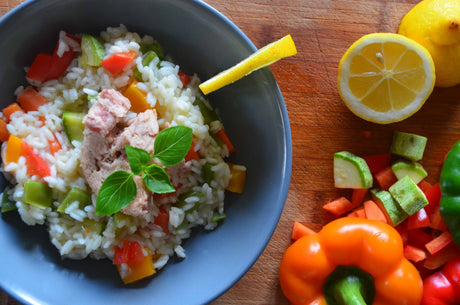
column 263, row 57
column 385, row 77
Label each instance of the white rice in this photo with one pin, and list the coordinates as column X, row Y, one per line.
column 68, row 231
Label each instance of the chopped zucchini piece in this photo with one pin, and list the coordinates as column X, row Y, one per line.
column 92, row 51
column 408, row 195
column 73, row 125
column 393, row 212
column 408, row 145
column 414, row 170
column 351, row 171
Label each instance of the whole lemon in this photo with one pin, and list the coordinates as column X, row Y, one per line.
column 435, row 25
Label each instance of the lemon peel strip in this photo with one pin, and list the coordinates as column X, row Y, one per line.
column 263, row 57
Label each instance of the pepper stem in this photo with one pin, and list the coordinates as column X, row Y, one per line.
column 349, row 285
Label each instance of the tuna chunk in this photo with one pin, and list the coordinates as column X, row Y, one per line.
column 140, row 132
column 102, row 150
column 110, row 108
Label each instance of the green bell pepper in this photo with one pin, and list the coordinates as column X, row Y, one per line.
column 450, row 192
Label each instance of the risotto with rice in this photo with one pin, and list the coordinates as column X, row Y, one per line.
column 86, row 132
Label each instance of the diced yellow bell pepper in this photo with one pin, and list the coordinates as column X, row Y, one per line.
column 138, row 271
column 137, row 97
column 13, row 149
column 238, row 179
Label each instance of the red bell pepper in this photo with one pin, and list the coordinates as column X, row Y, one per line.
column 385, row 178
column 115, row 63
column 162, row 220
column 221, row 134
column 35, row 164
column 184, row 78
column 377, row 163
column 131, row 253
column 31, row 99
column 47, row 67
column 418, row 220
column 443, row 287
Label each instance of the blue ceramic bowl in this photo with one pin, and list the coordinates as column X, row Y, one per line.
column 200, row 40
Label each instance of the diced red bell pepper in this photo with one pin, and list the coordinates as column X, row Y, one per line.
column 184, row 78
column 403, row 232
column 131, row 253
column 424, row 185
column 54, row 145
column 224, row 137
column 418, row 238
column 414, row 254
column 358, row 196
column 385, row 178
column 418, row 220
column 47, row 67
column 439, row 259
column 162, row 220
column 115, row 63
column 30, row 99
column 192, row 154
column 433, row 195
column 39, row 69
column 439, row 242
column 379, row 162
column 35, row 164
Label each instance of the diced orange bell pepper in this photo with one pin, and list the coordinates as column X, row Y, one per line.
column 131, row 262
column 237, row 180
column 300, row 230
column 137, row 97
column 13, row 149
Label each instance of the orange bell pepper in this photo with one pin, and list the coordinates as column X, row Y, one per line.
column 372, row 246
column 137, row 97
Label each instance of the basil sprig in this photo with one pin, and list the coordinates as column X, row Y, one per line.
column 119, row 189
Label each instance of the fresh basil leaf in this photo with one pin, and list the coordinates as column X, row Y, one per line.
column 172, row 144
column 117, row 192
column 137, row 158
column 157, row 180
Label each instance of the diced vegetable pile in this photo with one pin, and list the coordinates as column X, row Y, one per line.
column 392, row 188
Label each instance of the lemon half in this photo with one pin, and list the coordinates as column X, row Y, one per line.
column 263, row 57
column 385, row 77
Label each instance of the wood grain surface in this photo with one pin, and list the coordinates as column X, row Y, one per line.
column 320, row 123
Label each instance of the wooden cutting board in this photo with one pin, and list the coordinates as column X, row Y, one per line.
column 320, row 123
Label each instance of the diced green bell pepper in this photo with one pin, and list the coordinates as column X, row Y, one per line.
column 38, row 194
